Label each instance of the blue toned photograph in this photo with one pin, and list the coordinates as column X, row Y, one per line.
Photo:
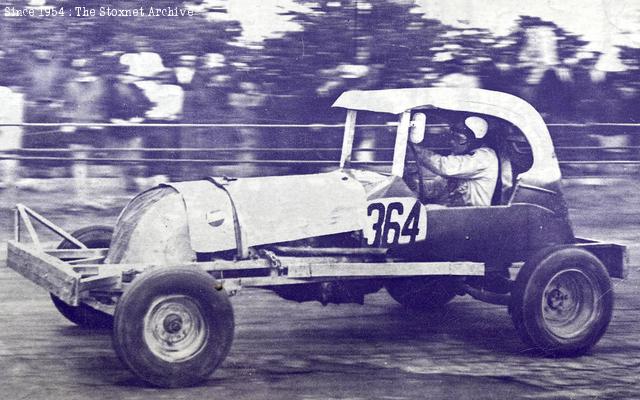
column 317, row 200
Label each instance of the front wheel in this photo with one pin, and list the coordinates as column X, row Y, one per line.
column 94, row 237
column 562, row 301
column 172, row 327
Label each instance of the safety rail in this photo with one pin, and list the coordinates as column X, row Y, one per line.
column 83, row 154
column 182, row 125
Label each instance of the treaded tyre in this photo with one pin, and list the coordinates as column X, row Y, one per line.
column 562, row 301
column 172, row 327
column 422, row 293
column 94, row 237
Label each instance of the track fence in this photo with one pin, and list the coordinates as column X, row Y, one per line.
column 600, row 149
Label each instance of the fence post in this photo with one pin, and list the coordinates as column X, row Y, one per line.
column 11, row 111
column 80, row 172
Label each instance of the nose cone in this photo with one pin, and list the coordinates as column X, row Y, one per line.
column 153, row 229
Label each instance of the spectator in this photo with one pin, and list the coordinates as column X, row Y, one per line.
column 144, row 62
column 167, row 100
column 206, row 102
column 245, row 102
column 125, row 103
column 83, row 103
column 45, row 75
column 552, row 97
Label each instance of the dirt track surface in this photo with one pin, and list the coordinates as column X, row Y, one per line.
column 285, row 350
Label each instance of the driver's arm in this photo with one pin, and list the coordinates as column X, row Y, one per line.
column 455, row 166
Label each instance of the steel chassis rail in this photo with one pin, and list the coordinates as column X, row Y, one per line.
column 80, row 276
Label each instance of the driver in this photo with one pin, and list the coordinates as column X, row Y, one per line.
column 471, row 171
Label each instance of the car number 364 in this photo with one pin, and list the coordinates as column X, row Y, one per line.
column 395, row 220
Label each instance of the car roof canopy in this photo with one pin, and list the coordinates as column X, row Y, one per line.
column 545, row 169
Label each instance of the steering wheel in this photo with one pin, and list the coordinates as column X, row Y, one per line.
column 413, row 174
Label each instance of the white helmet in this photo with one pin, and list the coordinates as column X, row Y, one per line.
column 477, row 125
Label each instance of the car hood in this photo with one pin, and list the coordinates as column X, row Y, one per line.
column 225, row 213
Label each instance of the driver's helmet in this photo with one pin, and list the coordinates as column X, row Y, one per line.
column 477, row 126
column 473, row 128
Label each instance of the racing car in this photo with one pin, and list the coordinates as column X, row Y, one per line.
column 162, row 277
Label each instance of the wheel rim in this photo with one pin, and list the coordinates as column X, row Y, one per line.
column 570, row 303
column 174, row 328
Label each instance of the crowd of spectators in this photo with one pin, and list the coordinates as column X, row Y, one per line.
column 139, row 86
column 125, row 88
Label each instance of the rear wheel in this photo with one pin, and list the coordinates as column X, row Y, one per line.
column 562, row 301
column 172, row 327
column 94, row 237
column 422, row 293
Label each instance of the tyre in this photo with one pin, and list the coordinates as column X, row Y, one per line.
column 94, row 237
column 562, row 301
column 422, row 293
column 172, row 328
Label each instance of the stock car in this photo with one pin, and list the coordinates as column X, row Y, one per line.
column 162, row 277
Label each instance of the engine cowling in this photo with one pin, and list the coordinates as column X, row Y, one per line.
column 152, row 229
